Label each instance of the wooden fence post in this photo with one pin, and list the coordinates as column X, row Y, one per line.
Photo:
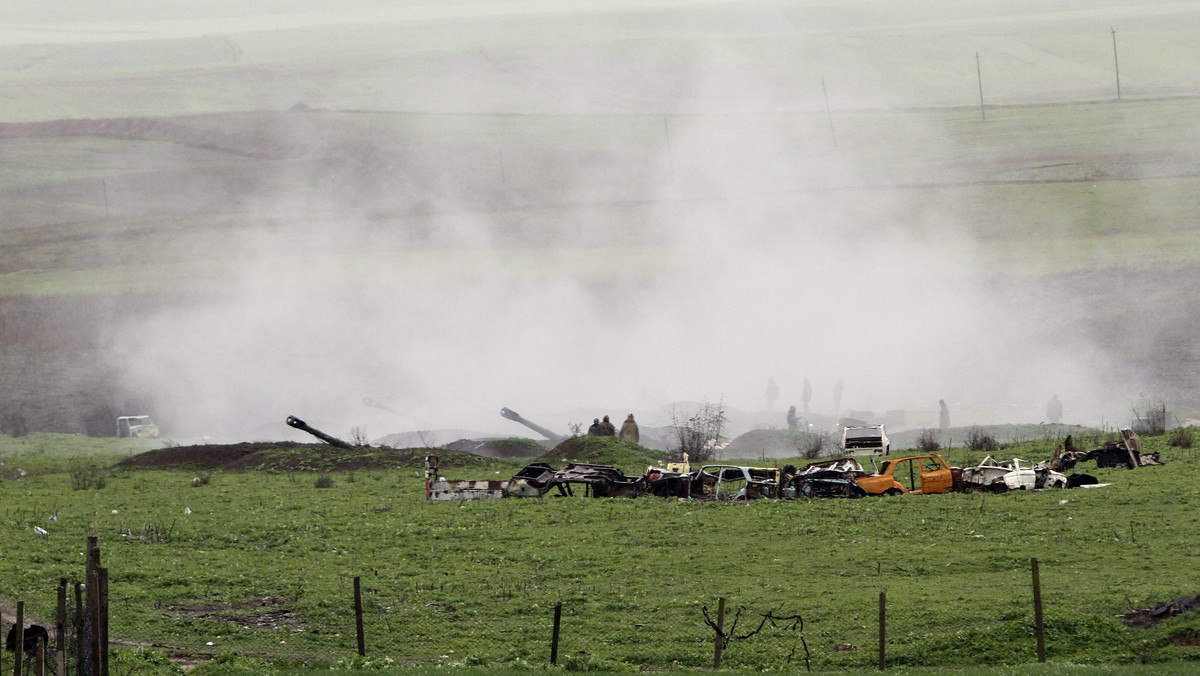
column 103, row 577
column 17, row 654
column 554, row 636
column 719, row 644
column 882, row 629
column 1039, row 625
column 80, row 623
column 60, row 649
column 358, row 617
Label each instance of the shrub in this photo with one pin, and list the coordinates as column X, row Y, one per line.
column 811, row 444
column 1150, row 418
column 1181, row 437
column 86, row 474
column 324, row 481
column 979, row 440
column 928, row 441
column 701, row 434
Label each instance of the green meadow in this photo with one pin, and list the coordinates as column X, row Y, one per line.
column 259, row 565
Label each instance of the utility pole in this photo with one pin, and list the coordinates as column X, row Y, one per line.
column 1116, row 64
column 670, row 153
column 979, row 75
column 828, row 112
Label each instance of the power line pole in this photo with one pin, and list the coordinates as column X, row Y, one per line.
column 1116, row 64
column 979, row 75
column 828, row 112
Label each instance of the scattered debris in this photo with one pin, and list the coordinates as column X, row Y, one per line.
column 1125, row 453
column 1148, row 617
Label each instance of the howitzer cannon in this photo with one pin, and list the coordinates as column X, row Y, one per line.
column 299, row 424
column 516, row 417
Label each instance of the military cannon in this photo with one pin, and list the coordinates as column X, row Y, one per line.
column 516, row 417
column 299, row 424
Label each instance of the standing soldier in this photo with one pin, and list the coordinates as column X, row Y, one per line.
column 629, row 430
column 1054, row 410
column 607, row 428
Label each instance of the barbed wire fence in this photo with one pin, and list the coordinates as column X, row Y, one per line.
column 870, row 627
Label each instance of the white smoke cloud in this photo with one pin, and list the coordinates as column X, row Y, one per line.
column 775, row 253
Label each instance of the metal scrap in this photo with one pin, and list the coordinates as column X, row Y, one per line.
column 1124, row 453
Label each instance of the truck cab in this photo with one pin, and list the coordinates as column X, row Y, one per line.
column 865, row 439
column 136, row 426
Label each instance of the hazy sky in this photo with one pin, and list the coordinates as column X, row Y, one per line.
column 765, row 261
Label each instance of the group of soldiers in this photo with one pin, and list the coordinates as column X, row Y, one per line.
column 605, row 428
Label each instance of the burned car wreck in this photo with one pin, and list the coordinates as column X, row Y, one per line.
column 717, row 482
column 828, row 479
column 1124, row 453
column 1010, row 475
column 835, row 478
column 534, row 481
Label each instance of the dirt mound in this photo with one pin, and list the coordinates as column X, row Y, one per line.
column 769, row 443
column 206, row 456
column 498, row 448
column 293, row 457
column 593, row 450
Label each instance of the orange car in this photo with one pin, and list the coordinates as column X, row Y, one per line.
column 912, row 474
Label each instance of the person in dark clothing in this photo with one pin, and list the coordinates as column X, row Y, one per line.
column 607, row 429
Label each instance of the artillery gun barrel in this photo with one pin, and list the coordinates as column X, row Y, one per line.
column 299, row 424
column 516, row 417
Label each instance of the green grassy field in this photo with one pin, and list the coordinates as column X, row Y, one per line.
column 470, row 583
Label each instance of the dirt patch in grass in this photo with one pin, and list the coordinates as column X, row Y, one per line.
column 269, row 612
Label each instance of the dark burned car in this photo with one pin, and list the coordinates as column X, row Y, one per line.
column 829, row 479
column 598, row 481
column 534, row 481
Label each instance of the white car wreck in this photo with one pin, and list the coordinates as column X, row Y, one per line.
column 1011, row 475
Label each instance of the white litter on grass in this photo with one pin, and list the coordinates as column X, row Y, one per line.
column 209, row 643
column 187, row 510
column 1063, row 502
column 114, row 511
column 40, row 531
